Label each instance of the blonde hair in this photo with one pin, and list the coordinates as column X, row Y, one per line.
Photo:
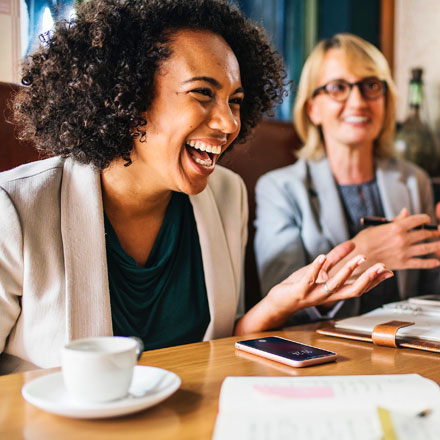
column 359, row 54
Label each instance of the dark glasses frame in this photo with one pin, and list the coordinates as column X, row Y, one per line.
column 358, row 84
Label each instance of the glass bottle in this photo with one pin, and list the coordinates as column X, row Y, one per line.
column 413, row 140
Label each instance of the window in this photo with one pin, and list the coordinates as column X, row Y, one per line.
column 38, row 16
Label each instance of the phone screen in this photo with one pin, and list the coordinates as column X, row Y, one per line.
column 286, row 348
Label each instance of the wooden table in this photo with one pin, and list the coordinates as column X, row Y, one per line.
column 190, row 413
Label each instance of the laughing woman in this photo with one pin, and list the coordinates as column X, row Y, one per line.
column 131, row 229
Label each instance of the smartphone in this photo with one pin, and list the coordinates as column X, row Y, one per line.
column 286, row 351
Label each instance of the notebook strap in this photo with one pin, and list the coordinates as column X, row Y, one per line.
column 385, row 334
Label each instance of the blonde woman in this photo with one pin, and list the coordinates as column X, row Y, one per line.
column 345, row 115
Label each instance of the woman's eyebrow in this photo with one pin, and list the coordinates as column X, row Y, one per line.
column 208, row 79
column 212, row 81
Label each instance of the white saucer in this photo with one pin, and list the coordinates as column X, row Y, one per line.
column 150, row 384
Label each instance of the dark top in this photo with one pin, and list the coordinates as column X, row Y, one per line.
column 164, row 303
column 360, row 201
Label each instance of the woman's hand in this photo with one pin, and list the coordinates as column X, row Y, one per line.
column 311, row 286
column 398, row 245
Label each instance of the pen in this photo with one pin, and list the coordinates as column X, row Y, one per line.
column 426, row 412
column 375, row 221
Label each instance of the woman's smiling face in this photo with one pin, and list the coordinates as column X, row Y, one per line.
column 195, row 114
column 356, row 122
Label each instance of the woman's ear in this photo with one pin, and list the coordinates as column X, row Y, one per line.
column 313, row 111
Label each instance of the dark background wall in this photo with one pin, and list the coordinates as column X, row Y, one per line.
column 358, row 17
column 289, row 22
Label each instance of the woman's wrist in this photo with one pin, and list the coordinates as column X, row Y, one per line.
column 277, row 311
column 265, row 315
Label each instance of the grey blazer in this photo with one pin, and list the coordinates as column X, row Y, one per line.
column 300, row 215
column 53, row 267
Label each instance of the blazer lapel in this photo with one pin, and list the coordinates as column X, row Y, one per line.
column 82, row 228
column 329, row 206
column 219, row 275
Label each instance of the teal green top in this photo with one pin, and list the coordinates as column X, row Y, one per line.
column 164, row 303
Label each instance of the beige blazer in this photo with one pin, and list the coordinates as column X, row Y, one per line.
column 53, row 268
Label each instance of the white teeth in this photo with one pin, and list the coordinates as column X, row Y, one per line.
column 205, row 163
column 198, row 145
column 356, row 119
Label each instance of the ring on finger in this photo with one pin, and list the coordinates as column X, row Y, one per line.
column 327, row 289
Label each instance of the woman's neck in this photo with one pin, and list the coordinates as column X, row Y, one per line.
column 126, row 192
column 351, row 165
column 135, row 207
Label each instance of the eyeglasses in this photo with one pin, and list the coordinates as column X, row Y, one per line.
column 371, row 88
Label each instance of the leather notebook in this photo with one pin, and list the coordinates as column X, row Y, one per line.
column 408, row 324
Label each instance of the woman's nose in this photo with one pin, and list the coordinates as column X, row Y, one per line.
column 355, row 97
column 224, row 119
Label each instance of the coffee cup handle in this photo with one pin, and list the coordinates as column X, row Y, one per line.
column 140, row 346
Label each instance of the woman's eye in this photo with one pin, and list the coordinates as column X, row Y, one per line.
column 203, row 92
column 373, row 85
column 238, row 101
column 337, row 87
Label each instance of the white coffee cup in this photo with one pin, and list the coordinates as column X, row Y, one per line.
column 100, row 369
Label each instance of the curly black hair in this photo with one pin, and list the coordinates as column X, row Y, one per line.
column 93, row 78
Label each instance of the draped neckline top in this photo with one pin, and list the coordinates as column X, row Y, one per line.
column 165, row 302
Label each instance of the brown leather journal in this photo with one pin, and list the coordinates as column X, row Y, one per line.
column 383, row 334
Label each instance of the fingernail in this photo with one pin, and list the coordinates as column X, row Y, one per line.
column 382, row 269
column 321, row 258
column 360, row 260
column 379, row 269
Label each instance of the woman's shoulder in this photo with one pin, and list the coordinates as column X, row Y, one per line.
column 403, row 168
column 288, row 175
column 40, row 170
column 40, row 182
column 29, row 191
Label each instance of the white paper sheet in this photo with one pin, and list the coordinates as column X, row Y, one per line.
column 320, row 407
